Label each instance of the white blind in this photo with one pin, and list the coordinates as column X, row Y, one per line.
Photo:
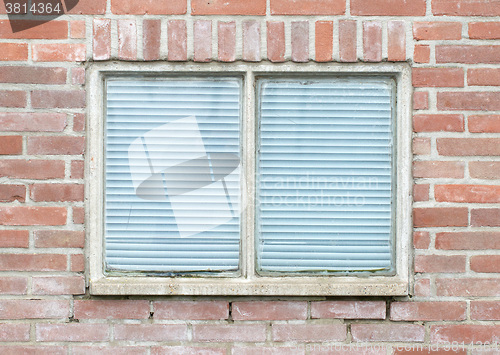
column 324, row 168
column 172, row 175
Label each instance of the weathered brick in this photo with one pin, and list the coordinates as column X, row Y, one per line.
column 127, row 39
column 465, row 8
column 198, row 310
column 468, row 240
column 387, row 332
column 467, row 193
column 72, row 332
column 308, row 7
column 229, row 333
column 485, row 263
column 440, row 263
column 468, row 333
column 421, row 240
column 14, row 51
column 300, row 41
column 11, row 145
column 32, row 262
column 79, row 122
column 202, row 40
column 428, row 311
column 185, row 350
column 420, row 100
column 219, row 7
column 101, row 39
column 440, row 217
column 438, row 77
column 32, row 75
column 396, row 38
column 34, row 29
column 485, row 310
column 421, row 146
column 420, row 192
column 56, row 192
column 276, row 41
column 78, row 76
column 372, row 41
column 14, row 239
column 12, row 98
column 13, row 285
column 34, row 309
column 59, row 52
column 468, row 146
column 309, row 332
column 422, row 288
column 86, row 7
column 111, row 309
column 421, row 53
column 32, row 216
column 11, row 193
column 58, row 285
column 58, row 98
column 77, row 169
column 438, row 169
column 32, row 169
column 483, row 76
column 484, row 30
column 56, row 145
column 59, row 239
column 467, row 54
column 433, row 349
column 227, row 41
column 77, row 262
column 14, row 332
column 269, row 310
column 151, row 38
column 151, row 7
column 348, row 309
column 251, row 41
column 388, row 8
column 109, row 350
column 78, row 215
column 261, row 350
column 468, row 287
column 485, row 217
column 437, row 30
column 484, row 169
column 151, row 332
column 77, row 29
column 34, row 349
column 347, row 41
column 323, row 41
column 438, row 122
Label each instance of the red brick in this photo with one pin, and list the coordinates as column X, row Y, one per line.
column 151, row 7
column 111, row 309
column 13, row 285
column 485, row 263
column 484, row 124
column 77, row 169
column 59, row 239
column 308, row 7
column 14, row 332
column 34, row 309
column 109, row 350
column 56, row 192
column 483, row 76
column 372, row 41
column 436, row 123
column 485, row 217
column 77, row 263
column 14, row 239
column 438, row 169
column 14, row 51
column 438, row 77
column 151, row 35
column 347, row 41
column 324, row 41
column 421, row 53
column 421, row 240
column 437, row 30
column 31, row 121
column 468, row 240
column 36, row 350
column 58, row 98
column 151, row 332
column 78, row 76
column 276, row 41
column 11, row 193
column 102, row 38
column 32, row 216
column 227, row 41
column 343, row 349
column 465, row 8
column 78, row 215
column 468, row 287
column 269, row 310
column 12, row 98
column 421, row 146
column 33, row 262
column 396, row 38
column 32, row 75
column 421, row 192
column 198, row 310
column 467, row 193
column 440, row 263
column 32, row 169
column 484, row 30
column 388, row 332
column 88, row 7
column 433, row 349
column 428, row 311
column 72, row 332
column 422, row 288
column 300, row 41
column 261, row 350
column 127, row 39
column 41, row 29
column 79, row 122
column 251, row 41
column 58, row 285
column 440, row 217
column 229, row 333
column 348, row 309
column 309, row 332
column 485, row 310
column 185, row 350
column 467, row 333
column 202, row 41
column 11, row 145
column 468, row 146
column 388, row 8
column 59, row 52
column 56, row 145
column 467, row 54
column 234, row 7
column 484, row 170
column 77, row 29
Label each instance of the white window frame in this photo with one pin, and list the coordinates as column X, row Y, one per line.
column 248, row 282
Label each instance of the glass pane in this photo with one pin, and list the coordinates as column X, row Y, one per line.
column 172, row 174
column 325, row 176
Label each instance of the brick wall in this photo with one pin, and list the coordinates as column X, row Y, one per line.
column 453, row 48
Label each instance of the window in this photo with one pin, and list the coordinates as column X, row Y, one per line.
column 250, row 180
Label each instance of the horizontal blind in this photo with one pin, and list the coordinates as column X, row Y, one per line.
column 324, row 190
column 172, row 175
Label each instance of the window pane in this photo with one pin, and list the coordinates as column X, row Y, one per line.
column 324, row 191
column 172, row 174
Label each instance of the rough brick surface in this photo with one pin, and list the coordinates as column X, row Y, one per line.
column 61, row 52
column 111, row 309
column 349, row 309
column 58, row 285
column 235, row 7
column 440, row 217
column 273, row 310
column 421, row 53
column 34, row 309
column 436, row 123
column 102, row 39
column 150, row 7
column 485, row 310
column 13, row 51
column 203, row 40
column 347, row 41
column 438, row 169
column 276, row 41
column 484, row 30
column 372, row 41
column 227, row 41
column 33, row 75
column 428, row 311
column 438, row 77
column 224, row 333
column 440, row 263
column 151, row 332
column 40, row 30
column 251, row 41
column 388, row 8
column 468, row 240
column 300, row 41
column 72, row 332
column 387, row 332
column 198, row 310
column 177, row 40
column 465, row 8
column 308, row 7
column 309, row 332
column 396, row 38
column 421, row 240
column 484, row 169
column 32, row 216
column 127, row 39
column 420, row 100
column 437, row 30
column 483, row 77
column 151, row 37
column 467, row 54
column 468, row 287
